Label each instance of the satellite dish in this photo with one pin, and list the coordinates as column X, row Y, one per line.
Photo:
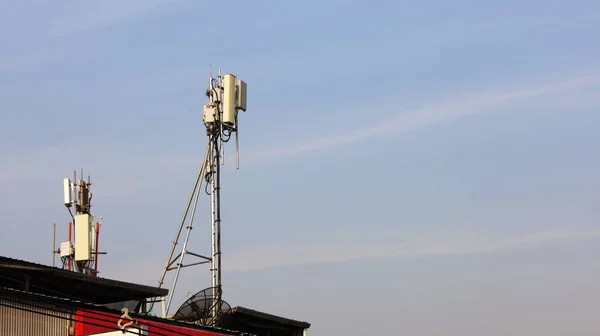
column 199, row 306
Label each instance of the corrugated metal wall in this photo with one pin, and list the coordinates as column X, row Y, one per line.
column 17, row 322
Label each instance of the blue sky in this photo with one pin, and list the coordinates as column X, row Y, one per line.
column 424, row 167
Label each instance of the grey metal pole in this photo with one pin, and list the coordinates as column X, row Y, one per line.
column 54, row 246
column 213, row 228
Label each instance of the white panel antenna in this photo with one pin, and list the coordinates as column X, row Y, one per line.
column 241, row 92
column 68, row 192
column 83, row 237
column 229, row 112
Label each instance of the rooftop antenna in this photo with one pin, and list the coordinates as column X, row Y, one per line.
column 54, row 249
column 226, row 97
column 80, row 252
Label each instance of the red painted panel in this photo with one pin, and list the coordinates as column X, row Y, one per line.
column 89, row 322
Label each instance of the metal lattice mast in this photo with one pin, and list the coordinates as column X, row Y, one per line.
column 226, row 96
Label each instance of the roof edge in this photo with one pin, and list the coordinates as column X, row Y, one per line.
column 270, row 317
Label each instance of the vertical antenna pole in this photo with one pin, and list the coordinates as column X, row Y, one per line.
column 218, row 225
column 75, row 194
column 96, row 249
column 54, row 246
column 237, row 143
column 70, row 243
column 215, row 196
column 213, row 229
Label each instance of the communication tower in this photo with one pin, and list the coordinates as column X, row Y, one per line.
column 226, row 97
column 80, row 252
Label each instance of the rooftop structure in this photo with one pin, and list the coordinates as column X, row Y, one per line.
column 26, row 313
column 95, row 305
column 36, row 278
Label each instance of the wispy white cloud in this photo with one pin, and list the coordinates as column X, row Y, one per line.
column 567, row 93
column 458, row 245
column 454, row 245
column 452, row 108
column 449, row 109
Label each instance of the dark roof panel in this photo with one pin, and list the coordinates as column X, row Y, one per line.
column 54, row 281
column 265, row 319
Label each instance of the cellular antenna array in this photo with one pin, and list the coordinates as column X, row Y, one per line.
column 80, row 252
column 226, row 97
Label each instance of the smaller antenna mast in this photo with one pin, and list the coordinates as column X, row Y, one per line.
column 80, row 252
column 54, row 250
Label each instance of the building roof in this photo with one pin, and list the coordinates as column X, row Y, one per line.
column 241, row 318
column 61, row 302
column 238, row 318
column 54, row 281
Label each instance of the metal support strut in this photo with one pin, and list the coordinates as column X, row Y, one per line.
column 191, row 205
